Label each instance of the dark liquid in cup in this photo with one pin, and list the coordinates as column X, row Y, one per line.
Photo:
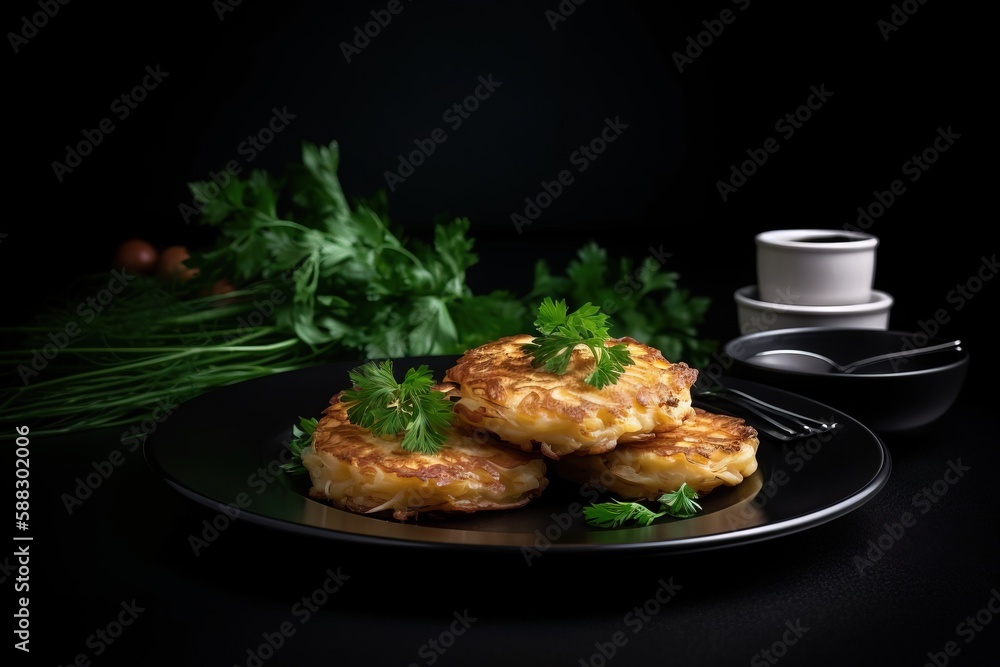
column 828, row 239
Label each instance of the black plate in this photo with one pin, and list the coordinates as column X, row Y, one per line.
column 222, row 449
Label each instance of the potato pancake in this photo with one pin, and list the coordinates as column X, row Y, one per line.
column 358, row 471
column 706, row 451
column 558, row 415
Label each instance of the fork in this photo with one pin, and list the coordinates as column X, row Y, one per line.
column 781, row 423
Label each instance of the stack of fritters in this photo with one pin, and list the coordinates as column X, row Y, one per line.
column 637, row 438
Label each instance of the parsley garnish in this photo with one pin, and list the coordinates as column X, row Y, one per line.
column 615, row 513
column 562, row 331
column 618, row 512
column 301, row 438
column 386, row 407
column 680, row 503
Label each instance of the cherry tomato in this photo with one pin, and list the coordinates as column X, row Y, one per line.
column 136, row 256
column 171, row 265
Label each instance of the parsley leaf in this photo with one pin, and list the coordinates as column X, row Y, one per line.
column 562, row 331
column 386, row 407
column 680, row 503
column 615, row 513
column 301, row 438
column 651, row 305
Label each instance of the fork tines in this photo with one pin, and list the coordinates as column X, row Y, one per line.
column 780, row 423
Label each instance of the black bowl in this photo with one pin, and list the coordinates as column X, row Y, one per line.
column 896, row 396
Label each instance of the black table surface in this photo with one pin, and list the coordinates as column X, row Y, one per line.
column 910, row 577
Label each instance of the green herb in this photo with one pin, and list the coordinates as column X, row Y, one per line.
column 301, row 438
column 319, row 278
column 562, row 332
column 615, row 513
column 680, row 503
column 386, row 407
column 648, row 301
column 145, row 353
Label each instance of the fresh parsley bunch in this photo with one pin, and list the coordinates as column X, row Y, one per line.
column 349, row 281
column 644, row 297
column 318, row 278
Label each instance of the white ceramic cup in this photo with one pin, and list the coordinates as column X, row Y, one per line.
column 815, row 267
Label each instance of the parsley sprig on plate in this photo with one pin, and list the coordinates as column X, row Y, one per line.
column 616, row 513
column 562, row 331
column 301, row 438
column 387, row 407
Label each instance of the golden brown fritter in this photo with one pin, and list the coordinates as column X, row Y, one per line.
column 358, row 471
column 706, row 451
column 561, row 414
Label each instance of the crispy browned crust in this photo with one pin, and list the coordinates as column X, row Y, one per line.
column 501, row 391
column 464, row 451
column 705, row 436
column 472, row 472
column 708, row 450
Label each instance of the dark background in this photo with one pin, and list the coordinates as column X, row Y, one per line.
column 655, row 186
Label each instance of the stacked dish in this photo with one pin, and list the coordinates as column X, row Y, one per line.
column 813, row 278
